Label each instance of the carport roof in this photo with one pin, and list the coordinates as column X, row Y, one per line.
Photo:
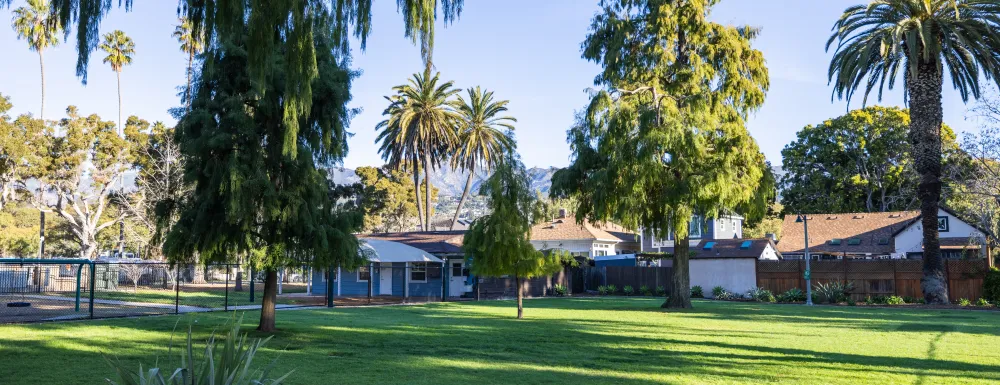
column 388, row 251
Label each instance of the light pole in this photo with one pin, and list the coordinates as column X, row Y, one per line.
column 804, row 219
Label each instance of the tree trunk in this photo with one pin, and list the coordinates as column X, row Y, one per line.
column 416, row 191
column 427, row 190
column 199, row 274
column 267, row 305
column 465, row 193
column 41, row 65
column 239, row 279
column 190, row 69
column 520, row 297
column 924, row 90
column 121, row 178
column 680, row 284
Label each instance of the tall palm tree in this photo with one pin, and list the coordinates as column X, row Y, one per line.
column 921, row 39
column 421, row 125
column 120, row 49
column 484, row 137
column 191, row 45
column 418, row 23
column 40, row 27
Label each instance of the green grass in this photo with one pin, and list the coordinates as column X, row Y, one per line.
column 578, row 341
column 197, row 296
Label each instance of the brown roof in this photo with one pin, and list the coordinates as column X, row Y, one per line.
column 562, row 229
column 957, row 243
column 731, row 248
column 434, row 242
column 870, row 228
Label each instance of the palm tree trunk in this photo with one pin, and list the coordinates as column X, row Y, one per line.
column 926, row 114
column 190, row 69
column 416, row 191
column 121, row 178
column 41, row 65
column 427, row 190
column 465, row 193
column 679, row 296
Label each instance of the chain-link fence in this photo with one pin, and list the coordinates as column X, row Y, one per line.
column 53, row 290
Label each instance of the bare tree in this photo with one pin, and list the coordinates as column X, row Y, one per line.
column 133, row 271
column 159, row 183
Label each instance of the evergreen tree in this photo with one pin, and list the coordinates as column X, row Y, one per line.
column 253, row 156
column 499, row 243
column 666, row 138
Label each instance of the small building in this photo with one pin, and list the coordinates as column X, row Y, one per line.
column 586, row 240
column 730, row 263
column 395, row 270
column 887, row 235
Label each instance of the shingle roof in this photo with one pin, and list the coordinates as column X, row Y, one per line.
column 874, row 230
column 434, row 242
column 562, row 229
column 731, row 248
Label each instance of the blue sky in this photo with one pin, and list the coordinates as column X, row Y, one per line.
column 526, row 51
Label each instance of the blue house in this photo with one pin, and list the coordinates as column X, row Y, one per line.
column 394, row 270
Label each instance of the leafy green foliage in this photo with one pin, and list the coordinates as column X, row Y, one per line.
column 718, row 290
column 645, row 290
column 760, row 294
column 36, row 24
column 834, row 291
column 387, row 198
column 560, row 290
column 982, row 302
column 226, row 360
column 665, row 138
column 661, row 291
column 628, row 290
column 792, row 295
column 697, row 292
column 991, row 286
column 858, row 162
column 964, row 302
column 19, row 140
column 602, row 290
column 894, row 300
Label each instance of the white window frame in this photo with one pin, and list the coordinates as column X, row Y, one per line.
column 369, row 268
column 418, row 267
column 696, row 219
column 461, row 269
column 722, row 225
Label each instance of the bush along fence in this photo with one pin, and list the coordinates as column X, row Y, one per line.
column 33, row 290
column 873, row 278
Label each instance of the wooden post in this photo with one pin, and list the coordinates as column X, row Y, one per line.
column 947, row 278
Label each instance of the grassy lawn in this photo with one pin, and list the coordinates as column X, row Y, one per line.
column 586, row 340
column 191, row 295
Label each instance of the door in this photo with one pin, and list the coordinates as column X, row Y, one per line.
column 385, row 280
column 456, row 282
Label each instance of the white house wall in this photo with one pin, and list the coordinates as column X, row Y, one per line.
column 736, row 275
column 910, row 240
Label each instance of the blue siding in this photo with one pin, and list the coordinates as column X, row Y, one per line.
column 709, row 230
column 350, row 286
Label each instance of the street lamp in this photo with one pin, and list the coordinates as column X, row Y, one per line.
column 804, row 220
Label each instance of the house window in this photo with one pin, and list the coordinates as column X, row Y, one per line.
column 364, row 273
column 694, row 228
column 326, row 273
column 943, row 224
column 418, row 273
column 600, row 253
column 722, row 225
column 456, row 270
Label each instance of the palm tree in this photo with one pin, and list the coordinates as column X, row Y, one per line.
column 418, row 23
column 36, row 24
column 120, row 49
column 191, row 45
column 421, row 125
column 484, row 137
column 920, row 38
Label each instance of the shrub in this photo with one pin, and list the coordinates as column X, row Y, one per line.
column 628, row 290
column 991, row 286
column 833, row 292
column 697, row 292
column 851, row 302
column 231, row 363
column 727, row 296
column 792, row 295
column 612, row 289
column 909, row 299
column 560, row 290
column 661, row 291
column 760, row 295
column 894, row 300
column 644, row 290
column 602, row 290
column 716, row 291
column 964, row 302
column 982, row 302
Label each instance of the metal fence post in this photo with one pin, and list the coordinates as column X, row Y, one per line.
column 93, row 286
column 371, row 276
column 251, row 284
column 444, row 282
column 226, row 305
column 177, row 289
column 79, row 270
column 329, row 286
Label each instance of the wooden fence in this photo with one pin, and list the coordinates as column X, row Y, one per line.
column 873, row 277
column 651, row 277
column 533, row 287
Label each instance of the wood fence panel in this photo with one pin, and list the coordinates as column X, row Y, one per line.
column 637, row 277
column 873, row 277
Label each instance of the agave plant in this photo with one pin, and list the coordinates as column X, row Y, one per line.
column 230, row 365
